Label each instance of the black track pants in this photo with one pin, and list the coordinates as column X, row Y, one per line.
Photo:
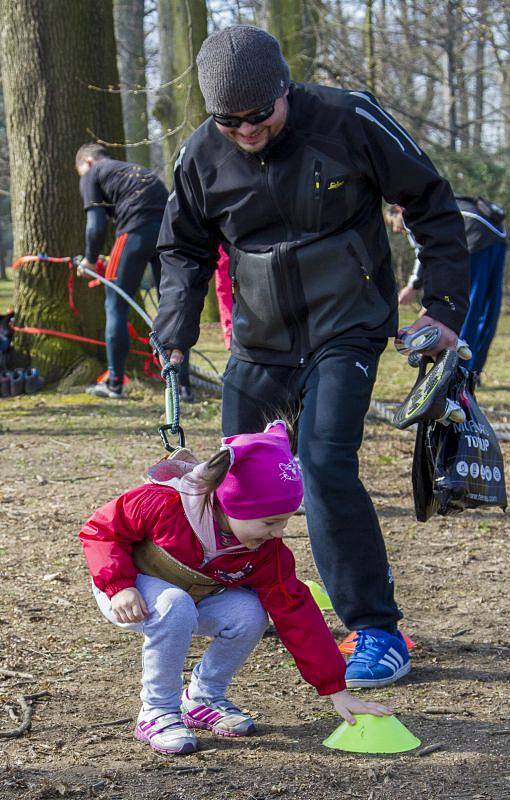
column 331, row 395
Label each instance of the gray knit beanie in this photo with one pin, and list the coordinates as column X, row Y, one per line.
column 240, row 68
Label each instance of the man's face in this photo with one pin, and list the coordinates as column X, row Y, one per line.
column 254, row 138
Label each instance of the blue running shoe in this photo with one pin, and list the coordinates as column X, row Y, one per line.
column 380, row 658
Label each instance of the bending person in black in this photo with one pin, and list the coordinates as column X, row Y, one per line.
column 135, row 199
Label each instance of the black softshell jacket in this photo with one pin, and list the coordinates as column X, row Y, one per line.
column 309, row 255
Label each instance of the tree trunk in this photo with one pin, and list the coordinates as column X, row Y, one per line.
column 368, row 36
column 5, row 216
column 51, row 53
column 480, row 73
column 130, row 39
column 463, row 97
column 294, row 23
column 450, row 77
column 180, row 106
column 3, row 274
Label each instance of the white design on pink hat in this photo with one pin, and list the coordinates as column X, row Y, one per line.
column 290, row 471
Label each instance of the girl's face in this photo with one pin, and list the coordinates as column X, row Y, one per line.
column 254, row 532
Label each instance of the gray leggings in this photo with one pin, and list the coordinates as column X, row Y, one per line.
column 234, row 618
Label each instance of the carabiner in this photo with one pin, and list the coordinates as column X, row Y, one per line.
column 163, row 432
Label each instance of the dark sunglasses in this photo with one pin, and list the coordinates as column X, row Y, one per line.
column 253, row 119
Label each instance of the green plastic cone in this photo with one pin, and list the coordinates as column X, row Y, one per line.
column 372, row 735
column 320, row 596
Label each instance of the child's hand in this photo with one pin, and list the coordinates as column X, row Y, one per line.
column 128, row 605
column 347, row 705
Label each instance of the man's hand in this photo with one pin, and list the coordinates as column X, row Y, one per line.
column 347, row 705
column 128, row 605
column 393, row 217
column 407, row 296
column 84, row 263
column 176, row 357
column 448, row 340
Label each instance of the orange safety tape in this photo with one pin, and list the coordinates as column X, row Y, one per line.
column 150, row 358
column 134, row 335
column 53, row 260
column 75, row 337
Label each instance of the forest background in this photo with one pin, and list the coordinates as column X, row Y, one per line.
column 123, row 72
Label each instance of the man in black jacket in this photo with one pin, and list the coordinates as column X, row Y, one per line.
column 292, row 177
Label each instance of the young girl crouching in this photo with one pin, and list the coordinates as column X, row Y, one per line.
column 220, row 522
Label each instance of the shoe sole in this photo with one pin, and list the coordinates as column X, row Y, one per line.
column 368, row 683
column 113, row 396
column 205, row 726
column 187, row 747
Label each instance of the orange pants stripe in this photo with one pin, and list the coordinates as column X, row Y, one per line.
column 113, row 263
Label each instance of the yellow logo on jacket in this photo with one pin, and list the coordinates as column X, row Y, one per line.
column 335, row 184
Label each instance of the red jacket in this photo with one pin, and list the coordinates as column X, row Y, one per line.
column 156, row 512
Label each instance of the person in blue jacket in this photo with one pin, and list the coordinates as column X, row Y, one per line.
column 487, row 241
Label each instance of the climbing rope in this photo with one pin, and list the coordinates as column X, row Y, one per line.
column 169, row 374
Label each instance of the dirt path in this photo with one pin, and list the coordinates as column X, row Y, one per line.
column 63, row 456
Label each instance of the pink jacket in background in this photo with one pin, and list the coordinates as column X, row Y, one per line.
column 224, row 295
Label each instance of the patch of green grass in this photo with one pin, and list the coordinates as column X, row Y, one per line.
column 394, row 381
column 384, row 458
column 395, row 376
column 6, row 292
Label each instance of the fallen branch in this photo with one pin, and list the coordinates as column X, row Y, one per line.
column 111, row 722
column 37, row 695
column 446, row 710
column 26, row 722
column 502, row 732
column 461, row 632
column 191, row 770
column 10, row 673
column 431, row 748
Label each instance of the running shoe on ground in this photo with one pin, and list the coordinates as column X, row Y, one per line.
column 107, row 390
column 380, row 658
column 165, row 734
column 219, row 716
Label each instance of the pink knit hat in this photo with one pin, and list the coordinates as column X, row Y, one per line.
column 264, row 479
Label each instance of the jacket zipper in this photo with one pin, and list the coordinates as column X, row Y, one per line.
column 354, row 253
column 317, row 180
column 277, row 251
column 204, row 560
column 233, row 280
column 288, row 227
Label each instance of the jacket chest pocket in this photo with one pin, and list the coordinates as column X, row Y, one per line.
column 257, row 317
column 338, row 287
column 325, row 194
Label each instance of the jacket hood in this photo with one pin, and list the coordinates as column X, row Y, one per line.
column 184, row 474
